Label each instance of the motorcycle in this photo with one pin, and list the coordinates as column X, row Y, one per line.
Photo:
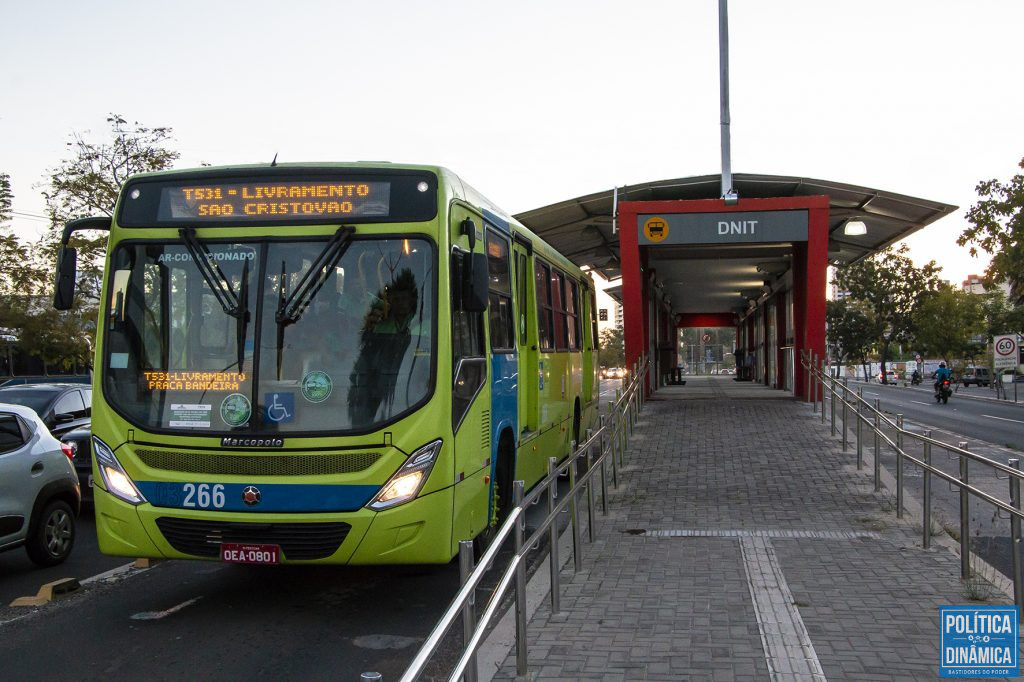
column 915, row 379
column 944, row 391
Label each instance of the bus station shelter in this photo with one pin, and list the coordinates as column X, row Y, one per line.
column 758, row 265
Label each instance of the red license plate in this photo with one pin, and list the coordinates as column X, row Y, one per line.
column 250, row 554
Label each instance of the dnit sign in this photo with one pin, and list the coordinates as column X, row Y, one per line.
column 979, row 641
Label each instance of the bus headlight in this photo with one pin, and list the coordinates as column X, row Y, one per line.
column 406, row 483
column 115, row 479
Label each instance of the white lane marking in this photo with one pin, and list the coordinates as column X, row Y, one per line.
column 1005, row 419
column 869, row 393
column 157, row 615
column 919, row 402
column 788, row 650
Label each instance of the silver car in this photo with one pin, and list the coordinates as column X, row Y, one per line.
column 39, row 490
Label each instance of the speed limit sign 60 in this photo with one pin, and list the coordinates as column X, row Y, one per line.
column 1005, row 351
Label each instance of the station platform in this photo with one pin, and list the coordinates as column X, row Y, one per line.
column 743, row 544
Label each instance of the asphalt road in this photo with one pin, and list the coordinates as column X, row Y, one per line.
column 993, row 421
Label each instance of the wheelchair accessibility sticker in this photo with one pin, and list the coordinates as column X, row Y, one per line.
column 979, row 641
column 280, row 407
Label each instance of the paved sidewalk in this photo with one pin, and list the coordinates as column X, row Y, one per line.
column 743, row 544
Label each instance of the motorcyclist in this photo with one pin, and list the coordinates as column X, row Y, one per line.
column 942, row 373
column 915, row 378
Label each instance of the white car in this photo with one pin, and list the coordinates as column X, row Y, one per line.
column 39, row 490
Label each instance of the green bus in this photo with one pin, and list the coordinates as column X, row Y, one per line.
column 333, row 363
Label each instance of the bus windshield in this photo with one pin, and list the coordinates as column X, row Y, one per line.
column 258, row 344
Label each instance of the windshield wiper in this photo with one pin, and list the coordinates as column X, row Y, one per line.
column 211, row 272
column 237, row 306
column 291, row 307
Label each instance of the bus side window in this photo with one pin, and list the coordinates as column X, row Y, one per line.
column 469, row 364
column 572, row 314
column 558, row 308
column 521, row 294
column 545, row 321
column 500, row 295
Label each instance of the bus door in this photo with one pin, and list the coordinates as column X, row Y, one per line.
column 501, row 328
column 526, row 340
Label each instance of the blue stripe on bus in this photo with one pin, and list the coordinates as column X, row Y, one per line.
column 504, row 405
column 274, row 497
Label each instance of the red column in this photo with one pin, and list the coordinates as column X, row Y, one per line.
column 810, row 266
column 634, row 307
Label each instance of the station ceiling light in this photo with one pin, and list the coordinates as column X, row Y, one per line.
column 854, row 228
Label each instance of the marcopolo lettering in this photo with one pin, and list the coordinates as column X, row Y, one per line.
column 229, row 442
column 737, row 227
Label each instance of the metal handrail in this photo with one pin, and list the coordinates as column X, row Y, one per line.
column 863, row 410
column 606, row 439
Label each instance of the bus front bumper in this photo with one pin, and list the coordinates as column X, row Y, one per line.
column 418, row 532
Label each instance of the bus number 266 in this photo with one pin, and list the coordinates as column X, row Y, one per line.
column 203, row 495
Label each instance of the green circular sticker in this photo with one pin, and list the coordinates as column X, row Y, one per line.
column 235, row 409
column 316, row 386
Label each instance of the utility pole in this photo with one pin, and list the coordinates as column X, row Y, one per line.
column 728, row 193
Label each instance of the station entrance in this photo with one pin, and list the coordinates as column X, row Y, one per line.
column 758, row 266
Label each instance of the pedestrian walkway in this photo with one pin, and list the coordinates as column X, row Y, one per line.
column 743, row 544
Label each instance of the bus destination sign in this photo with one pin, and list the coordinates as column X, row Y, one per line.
column 288, row 200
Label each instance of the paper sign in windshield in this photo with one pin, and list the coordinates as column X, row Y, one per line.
column 186, row 416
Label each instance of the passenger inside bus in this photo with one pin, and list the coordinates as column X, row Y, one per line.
column 390, row 327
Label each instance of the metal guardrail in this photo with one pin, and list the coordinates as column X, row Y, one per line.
column 610, row 442
column 819, row 383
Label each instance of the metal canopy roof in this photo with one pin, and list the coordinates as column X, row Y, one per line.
column 581, row 228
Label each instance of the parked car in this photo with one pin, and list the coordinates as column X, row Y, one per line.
column 892, row 376
column 62, row 407
column 979, row 376
column 78, row 443
column 39, row 492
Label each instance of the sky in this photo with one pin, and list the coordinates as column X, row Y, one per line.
column 536, row 101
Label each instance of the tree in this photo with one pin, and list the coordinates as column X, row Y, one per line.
column 1000, row 316
column 850, row 331
column 88, row 183
column 997, row 226
column 612, row 350
column 890, row 287
column 12, row 252
column 946, row 323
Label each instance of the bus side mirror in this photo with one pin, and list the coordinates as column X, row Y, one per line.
column 474, row 283
column 64, row 287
